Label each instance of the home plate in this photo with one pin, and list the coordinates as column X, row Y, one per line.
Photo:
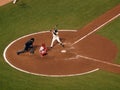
column 63, row 51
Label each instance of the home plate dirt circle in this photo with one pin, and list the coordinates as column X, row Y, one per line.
column 67, row 61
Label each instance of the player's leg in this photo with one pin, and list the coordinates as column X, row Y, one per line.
column 32, row 50
column 52, row 42
column 42, row 53
column 23, row 50
column 58, row 39
column 14, row 1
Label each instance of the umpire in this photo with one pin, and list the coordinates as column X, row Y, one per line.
column 28, row 47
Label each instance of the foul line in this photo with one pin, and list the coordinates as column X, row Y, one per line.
column 97, row 60
column 96, row 29
column 92, row 59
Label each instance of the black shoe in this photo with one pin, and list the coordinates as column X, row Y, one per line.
column 18, row 53
column 63, row 46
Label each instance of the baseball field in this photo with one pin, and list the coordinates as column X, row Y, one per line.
column 31, row 16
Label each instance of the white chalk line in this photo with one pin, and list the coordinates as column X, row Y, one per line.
column 97, row 60
column 96, row 29
column 93, row 59
column 19, row 69
column 73, row 58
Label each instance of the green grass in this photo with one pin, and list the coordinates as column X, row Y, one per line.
column 94, row 81
column 30, row 16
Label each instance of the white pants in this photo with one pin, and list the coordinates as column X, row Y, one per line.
column 14, row 1
column 55, row 38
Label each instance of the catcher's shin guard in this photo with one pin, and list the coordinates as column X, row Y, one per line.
column 32, row 50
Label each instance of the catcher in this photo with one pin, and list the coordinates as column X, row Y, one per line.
column 27, row 47
column 43, row 50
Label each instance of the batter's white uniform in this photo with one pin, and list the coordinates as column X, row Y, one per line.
column 55, row 37
column 14, row 1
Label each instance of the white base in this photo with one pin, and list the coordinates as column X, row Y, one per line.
column 63, row 51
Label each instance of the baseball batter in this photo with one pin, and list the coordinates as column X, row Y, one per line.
column 55, row 37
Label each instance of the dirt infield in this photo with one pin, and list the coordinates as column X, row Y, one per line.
column 3, row 2
column 88, row 53
column 57, row 63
